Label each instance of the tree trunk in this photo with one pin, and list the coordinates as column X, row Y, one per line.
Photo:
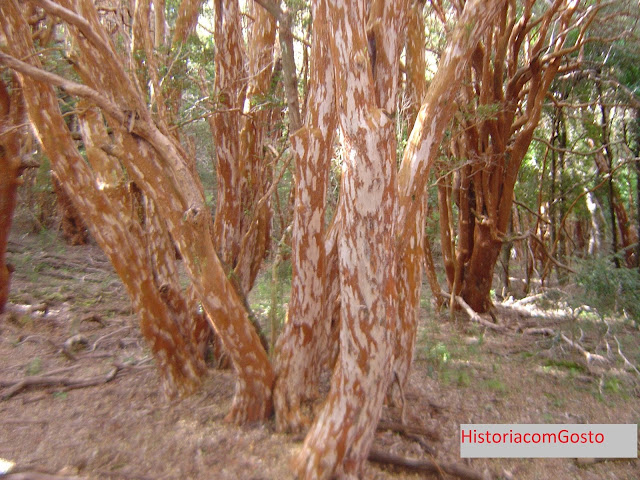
column 225, row 125
column 242, row 221
column 607, row 162
column 478, row 273
column 511, row 71
column 159, row 167
column 303, row 343
column 74, row 231
column 341, row 435
column 11, row 117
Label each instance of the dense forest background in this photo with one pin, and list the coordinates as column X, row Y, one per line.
column 274, row 182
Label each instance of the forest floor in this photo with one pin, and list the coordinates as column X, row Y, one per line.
column 69, row 320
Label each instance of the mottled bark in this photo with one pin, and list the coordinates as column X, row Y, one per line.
column 256, row 222
column 229, row 95
column 242, row 222
column 73, row 228
column 341, row 435
column 122, row 245
column 416, row 63
column 419, row 156
column 302, row 344
column 158, row 166
column 12, row 115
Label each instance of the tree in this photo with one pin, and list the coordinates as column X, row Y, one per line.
column 379, row 260
column 161, row 170
column 12, row 116
column 356, row 277
column 511, row 74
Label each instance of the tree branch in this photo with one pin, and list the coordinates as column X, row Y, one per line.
column 69, row 86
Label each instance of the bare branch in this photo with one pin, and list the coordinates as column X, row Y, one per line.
column 69, row 86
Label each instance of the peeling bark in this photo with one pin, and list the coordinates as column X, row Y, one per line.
column 302, row 344
column 419, row 156
column 341, row 435
column 159, row 167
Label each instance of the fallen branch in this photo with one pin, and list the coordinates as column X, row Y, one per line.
column 529, row 299
column 17, row 386
column 477, row 318
column 588, row 355
column 37, row 476
column 95, row 344
column 410, row 429
column 422, row 465
column 539, row 331
column 627, row 363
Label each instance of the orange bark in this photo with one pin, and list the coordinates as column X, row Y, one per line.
column 302, row 345
column 157, row 164
column 512, row 71
column 418, row 158
column 241, row 226
column 341, row 435
column 11, row 117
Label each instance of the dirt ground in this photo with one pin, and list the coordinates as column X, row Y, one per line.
column 70, row 320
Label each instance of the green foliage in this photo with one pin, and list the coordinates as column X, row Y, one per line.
column 35, row 366
column 608, row 289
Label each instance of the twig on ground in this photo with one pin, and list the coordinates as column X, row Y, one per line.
column 95, row 344
column 58, row 371
column 627, row 363
column 410, row 429
column 588, row 355
column 422, row 465
column 70, row 344
column 539, row 331
column 47, row 381
column 477, row 318
column 576, row 345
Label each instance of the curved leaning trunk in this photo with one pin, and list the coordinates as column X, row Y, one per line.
column 159, row 168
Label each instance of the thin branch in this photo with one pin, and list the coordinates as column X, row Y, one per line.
column 574, row 152
column 273, row 8
column 80, row 23
column 45, row 380
column 522, row 205
column 69, row 86
column 627, row 363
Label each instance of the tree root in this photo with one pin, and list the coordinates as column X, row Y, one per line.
column 410, row 429
column 422, row 465
column 16, row 386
